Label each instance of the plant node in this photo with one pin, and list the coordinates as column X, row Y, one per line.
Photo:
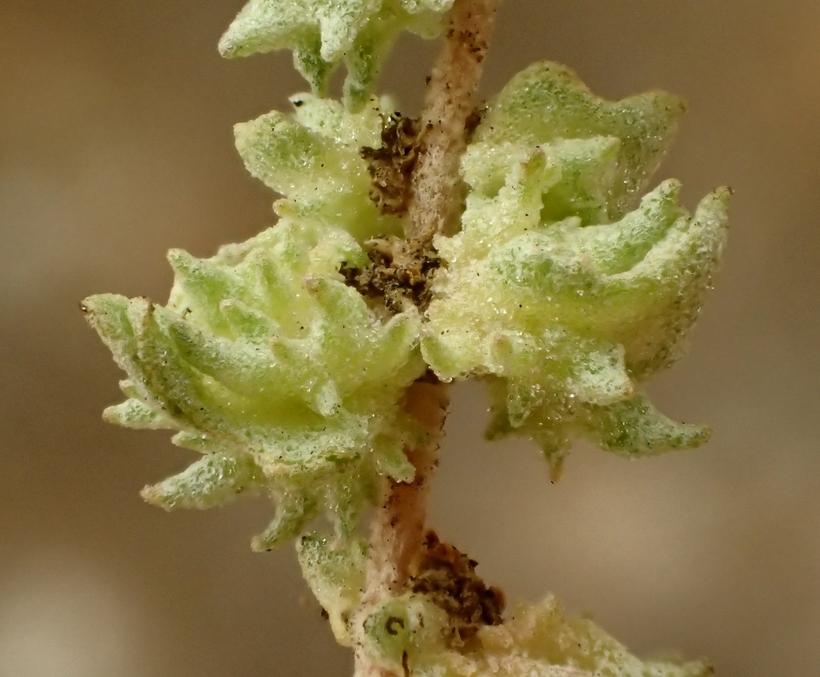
column 399, row 274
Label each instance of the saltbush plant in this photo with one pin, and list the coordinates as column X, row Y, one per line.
column 512, row 241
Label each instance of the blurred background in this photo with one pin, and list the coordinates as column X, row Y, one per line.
column 116, row 144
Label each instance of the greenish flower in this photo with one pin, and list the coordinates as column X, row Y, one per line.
column 290, row 383
column 553, row 290
column 412, row 633
column 268, row 364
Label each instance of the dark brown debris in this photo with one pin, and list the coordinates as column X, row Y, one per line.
column 473, row 121
column 399, row 273
column 391, row 166
column 448, row 578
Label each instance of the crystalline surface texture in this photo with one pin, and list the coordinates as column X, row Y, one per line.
column 324, row 33
column 558, row 293
column 263, row 359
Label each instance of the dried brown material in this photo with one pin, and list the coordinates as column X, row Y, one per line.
column 473, row 121
column 399, row 274
column 391, row 166
column 448, row 578
column 449, row 113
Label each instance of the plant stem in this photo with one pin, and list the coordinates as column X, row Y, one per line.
column 397, row 533
column 449, row 103
column 398, row 530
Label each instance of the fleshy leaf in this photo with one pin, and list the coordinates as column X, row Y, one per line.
column 323, row 33
column 262, row 361
column 335, row 572
column 635, row 428
column 133, row 413
column 409, row 633
column 567, row 301
column 213, row 480
column 294, row 511
column 313, row 159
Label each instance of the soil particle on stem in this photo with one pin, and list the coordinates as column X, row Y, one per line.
column 400, row 273
column 391, row 166
column 448, row 578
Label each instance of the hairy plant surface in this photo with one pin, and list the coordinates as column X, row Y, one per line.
column 288, row 361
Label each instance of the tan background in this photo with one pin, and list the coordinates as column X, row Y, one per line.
column 115, row 145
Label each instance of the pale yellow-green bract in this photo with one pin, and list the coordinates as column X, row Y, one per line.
column 533, row 640
column 312, row 158
column 323, row 33
column 410, row 634
column 559, row 290
column 553, row 290
column 275, row 370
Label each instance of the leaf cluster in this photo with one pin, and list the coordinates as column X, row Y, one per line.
column 290, row 382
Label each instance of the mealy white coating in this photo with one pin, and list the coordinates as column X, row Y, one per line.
column 559, row 290
column 266, row 362
column 323, row 33
column 556, row 293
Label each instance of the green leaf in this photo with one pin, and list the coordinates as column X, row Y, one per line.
column 323, row 33
column 213, row 480
column 335, row 572
column 294, row 511
column 552, row 288
column 636, row 428
column 134, row 413
column 547, row 102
